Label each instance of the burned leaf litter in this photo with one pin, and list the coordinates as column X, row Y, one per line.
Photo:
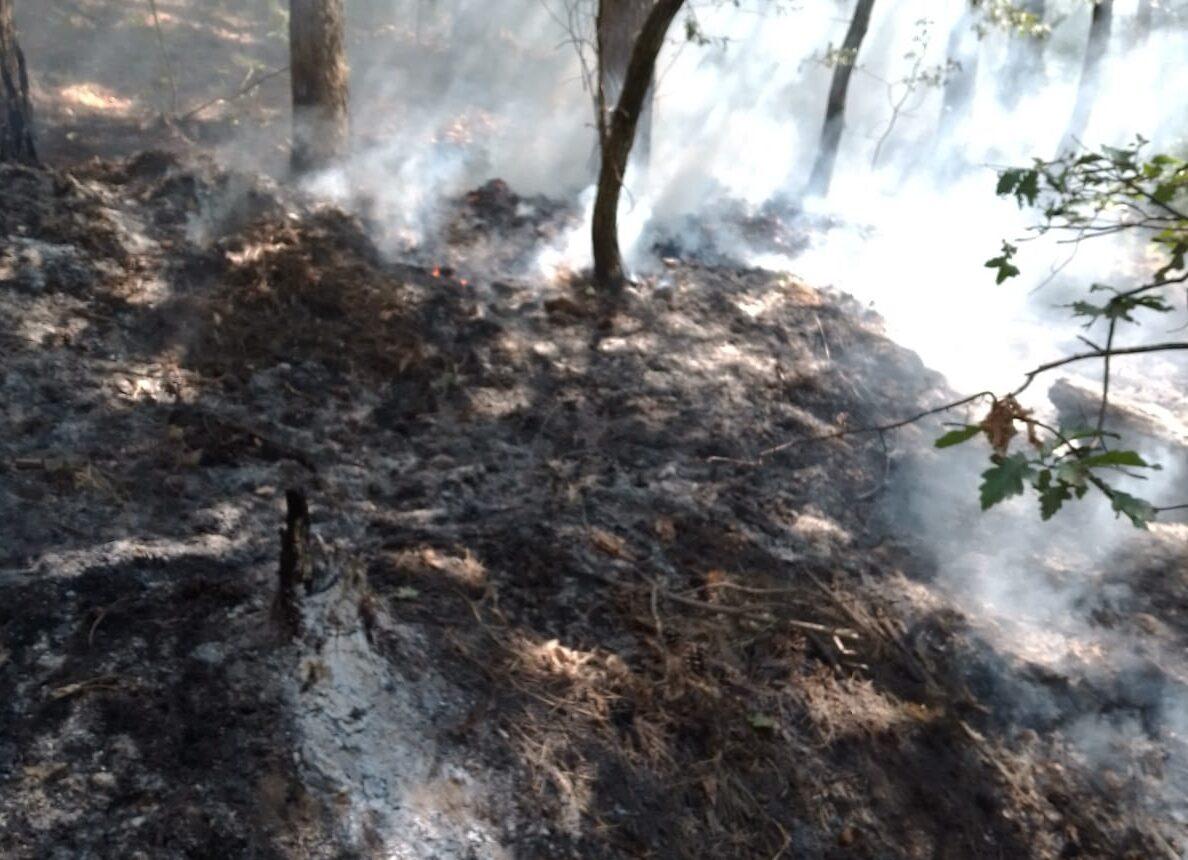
column 559, row 610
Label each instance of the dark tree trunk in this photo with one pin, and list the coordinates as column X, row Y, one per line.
column 835, row 109
column 319, row 75
column 1095, row 51
column 16, row 111
column 1025, row 59
column 963, row 49
column 619, row 25
column 618, row 138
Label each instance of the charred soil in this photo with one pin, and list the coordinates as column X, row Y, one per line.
column 563, row 602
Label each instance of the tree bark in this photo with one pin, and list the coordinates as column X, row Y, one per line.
column 1025, row 59
column 835, row 108
column 619, row 25
column 1099, row 41
column 16, row 111
column 618, row 139
column 319, row 76
column 963, row 49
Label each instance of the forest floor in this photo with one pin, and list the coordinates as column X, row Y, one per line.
column 560, row 607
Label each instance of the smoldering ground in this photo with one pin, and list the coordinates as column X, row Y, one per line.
column 447, row 96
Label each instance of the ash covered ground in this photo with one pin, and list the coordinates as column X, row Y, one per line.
column 561, row 606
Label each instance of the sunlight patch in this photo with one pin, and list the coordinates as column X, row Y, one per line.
column 95, row 97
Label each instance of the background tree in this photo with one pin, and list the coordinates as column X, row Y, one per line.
column 962, row 54
column 617, row 136
column 319, row 77
column 1142, row 21
column 1025, row 53
column 835, row 109
column 16, row 111
column 1099, row 41
column 619, row 24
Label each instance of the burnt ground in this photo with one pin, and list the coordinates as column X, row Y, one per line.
column 560, row 605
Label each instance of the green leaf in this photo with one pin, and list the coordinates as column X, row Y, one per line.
column 1004, row 480
column 1139, row 511
column 1006, row 269
column 1073, row 473
column 1164, row 193
column 1116, row 458
column 1008, row 180
column 956, row 437
column 1052, row 495
column 762, row 722
column 1028, row 188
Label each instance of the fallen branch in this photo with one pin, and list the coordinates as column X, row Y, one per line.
column 166, row 65
column 240, row 93
column 759, row 614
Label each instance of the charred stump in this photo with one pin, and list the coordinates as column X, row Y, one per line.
column 296, row 566
column 16, row 111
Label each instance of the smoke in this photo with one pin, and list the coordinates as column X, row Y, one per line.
column 496, row 89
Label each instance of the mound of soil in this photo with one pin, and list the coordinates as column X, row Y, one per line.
column 581, row 587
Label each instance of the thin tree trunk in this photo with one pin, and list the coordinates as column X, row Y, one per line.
column 1025, row 59
column 16, row 111
column 619, row 25
column 618, row 138
column 963, row 49
column 835, row 108
column 1095, row 51
column 319, row 76
column 1143, row 19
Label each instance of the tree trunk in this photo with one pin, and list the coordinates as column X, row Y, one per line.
column 619, row 25
column 1025, row 59
column 1143, row 19
column 835, row 109
column 1095, row 51
column 963, row 49
column 16, row 111
column 618, row 139
column 319, row 76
